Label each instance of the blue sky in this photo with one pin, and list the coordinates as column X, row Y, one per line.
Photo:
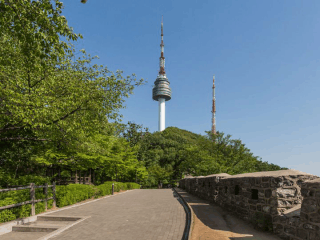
column 265, row 56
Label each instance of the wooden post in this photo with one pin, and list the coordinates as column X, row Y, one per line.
column 93, row 176
column 79, row 176
column 54, row 194
column 90, row 176
column 112, row 188
column 45, row 189
column 32, row 196
column 76, row 177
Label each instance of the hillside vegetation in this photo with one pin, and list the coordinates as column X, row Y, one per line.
column 173, row 153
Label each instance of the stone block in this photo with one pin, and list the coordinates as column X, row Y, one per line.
column 252, row 181
column 290, row 230
column 273, row 202
column 265, row 185
column 253, row 201
column 246, row 195
column 259, row 208
column 304, row 217
column 268, row 193
column 284, row 236
column 246, row 185
column 266, row 209
column 286, row 192
column 293, row 176
column 311, row 226
column 309, row 205
column 314, row 217
column 305, row 192
column 276, row 182
column 288, row 183
column 302, row 233
column 277, row 228
column 282, row 203
column 258, row 181
column 261, row 193
column 253, row 207
column 294, row 221
column 274, row 211
column 314, row 236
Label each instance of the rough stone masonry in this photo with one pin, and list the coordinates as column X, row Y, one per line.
column 265, row 199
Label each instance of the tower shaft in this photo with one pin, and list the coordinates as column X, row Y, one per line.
column 162, row 114
column 213, row 130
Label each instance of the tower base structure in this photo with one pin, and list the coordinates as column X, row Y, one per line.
column 162, row 114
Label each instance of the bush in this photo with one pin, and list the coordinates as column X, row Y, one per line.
column 73, row 193
column 66, row 195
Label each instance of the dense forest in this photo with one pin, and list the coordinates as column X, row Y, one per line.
column 59, row 113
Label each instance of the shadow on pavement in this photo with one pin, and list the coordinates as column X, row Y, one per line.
column 229, row 227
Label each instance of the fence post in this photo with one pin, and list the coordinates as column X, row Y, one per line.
column 112, row 188
column 46, row 193
column 32, row 196
column 54, row 194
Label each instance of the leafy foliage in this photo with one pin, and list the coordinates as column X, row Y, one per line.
column 173, row 153
column 56, row 106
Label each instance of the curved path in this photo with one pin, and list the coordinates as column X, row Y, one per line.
column 149, row 214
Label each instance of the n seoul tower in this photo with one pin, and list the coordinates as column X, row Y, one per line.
column 161, row 91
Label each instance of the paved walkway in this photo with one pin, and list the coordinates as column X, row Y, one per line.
column 149, row 214
column 211, row 222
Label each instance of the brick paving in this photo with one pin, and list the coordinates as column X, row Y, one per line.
column 150, row 214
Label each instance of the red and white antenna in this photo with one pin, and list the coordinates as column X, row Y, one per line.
column 213, row 130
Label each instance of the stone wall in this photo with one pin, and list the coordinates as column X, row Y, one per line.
column 256, row 197
column 303, row 222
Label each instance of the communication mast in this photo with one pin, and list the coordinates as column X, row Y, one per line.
column 161, row 91
column 213, row 130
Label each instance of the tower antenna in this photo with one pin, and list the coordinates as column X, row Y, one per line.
column 213, row 130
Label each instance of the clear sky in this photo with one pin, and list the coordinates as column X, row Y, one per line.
column 265, row 56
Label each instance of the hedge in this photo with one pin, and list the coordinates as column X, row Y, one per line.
column 66, row 195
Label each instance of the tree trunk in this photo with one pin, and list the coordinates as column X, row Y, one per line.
column 76, row 177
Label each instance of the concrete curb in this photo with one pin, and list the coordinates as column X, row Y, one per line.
column 60, row 230
column 7, row 227
column 189, row 220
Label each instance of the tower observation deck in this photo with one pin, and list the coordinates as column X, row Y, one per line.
column 161, row 91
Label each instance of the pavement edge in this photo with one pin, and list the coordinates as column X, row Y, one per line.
column 189, row 220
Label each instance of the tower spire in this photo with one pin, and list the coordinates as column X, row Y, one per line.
column 162, row 59
column 213, row 108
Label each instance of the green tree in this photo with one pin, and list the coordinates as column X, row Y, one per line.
column 51, row 102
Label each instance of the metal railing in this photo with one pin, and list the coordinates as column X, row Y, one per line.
column 33, row 200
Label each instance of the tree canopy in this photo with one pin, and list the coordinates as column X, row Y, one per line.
column 55, row 106
column 180, row 152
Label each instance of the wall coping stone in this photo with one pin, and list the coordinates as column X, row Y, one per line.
column 295, row 211
column 278, row 173
column 317, row 180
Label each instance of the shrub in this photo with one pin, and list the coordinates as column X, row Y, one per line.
column 66, row 195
